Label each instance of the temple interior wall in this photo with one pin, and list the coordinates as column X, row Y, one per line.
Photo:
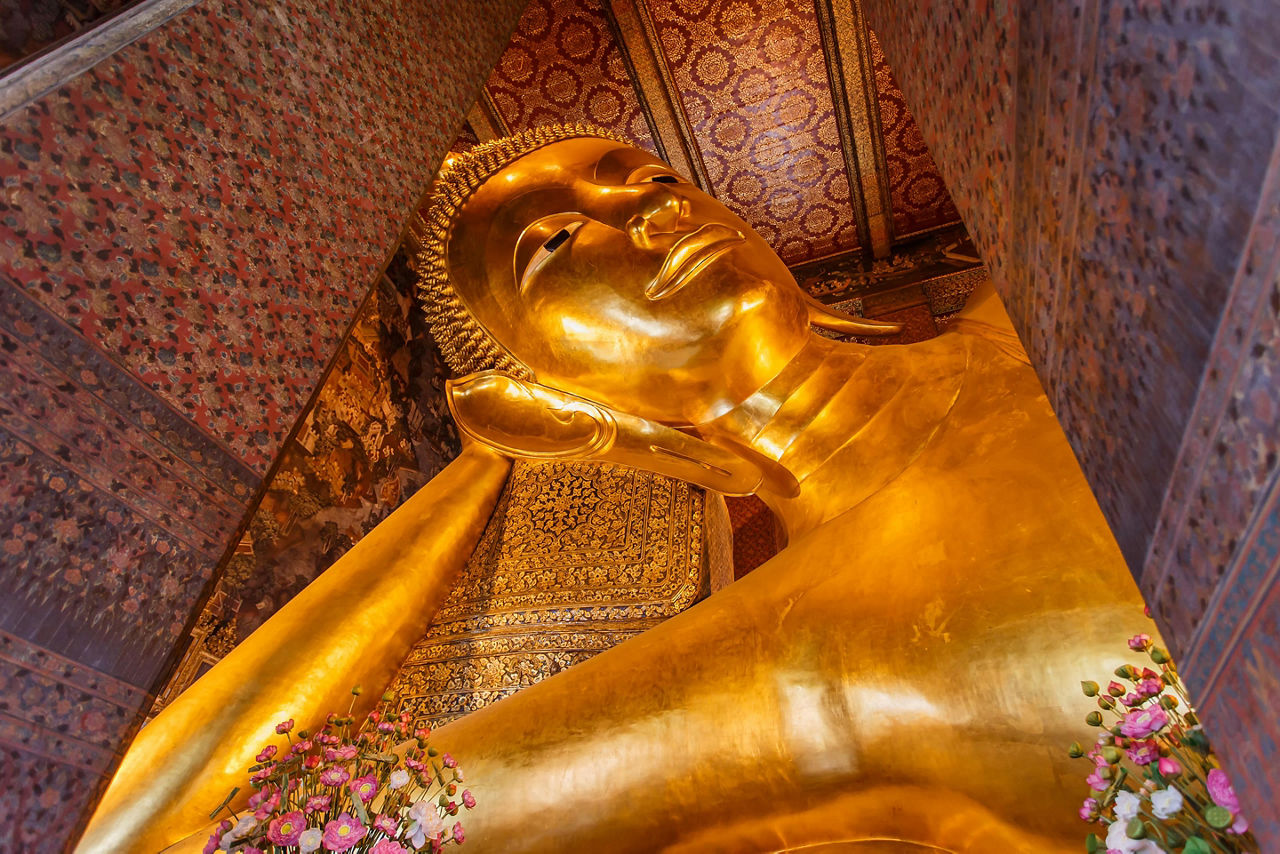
column 1116, row 163
column 191, row 216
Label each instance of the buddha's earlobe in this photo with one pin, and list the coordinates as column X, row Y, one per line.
column 837, row 321
column 518, row 418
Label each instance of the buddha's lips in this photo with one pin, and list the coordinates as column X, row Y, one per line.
column 690, row 255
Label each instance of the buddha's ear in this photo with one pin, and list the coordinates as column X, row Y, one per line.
column 837, row 321
column 524, row 419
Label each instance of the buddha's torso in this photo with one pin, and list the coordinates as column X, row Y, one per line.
column 905, row 669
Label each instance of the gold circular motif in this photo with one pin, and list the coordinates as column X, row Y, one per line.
column 737, row 20
column 712, row 66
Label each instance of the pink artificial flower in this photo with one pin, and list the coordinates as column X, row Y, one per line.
column 286, row 829
column 260, row 777
column 386, row 726
column 451, row 808
column 1150, row 687
column 1115, row 689
column 449, row 761
column 1144, row 752
column 415, row 764
column 284, row 726
column 1138, row 643
column 267, row 807
column 365, row 787
column 468, row 799
column 387, row 824
column 1141, row 723
column 1096, row 783
column 343, row 832
column 1089, row 809
column 337, row 754
column 388, row 846
column 1132, row 700
column 214, row 840
column 422, row 732
column 1148, row 673
column 249, row 849
column 334, row 776
column 311, row 762
column 263, row 794
column 458, row 835
column 267, row 753
column 1221, row 792
column 301, row 747
column 318, row 803
column 1169, row 767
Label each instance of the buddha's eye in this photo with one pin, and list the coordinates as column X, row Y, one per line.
column 547, row 249
column 654, row 173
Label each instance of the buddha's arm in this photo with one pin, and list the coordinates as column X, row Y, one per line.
column 352, row 625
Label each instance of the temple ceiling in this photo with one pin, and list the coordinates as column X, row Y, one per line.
column 785, row 110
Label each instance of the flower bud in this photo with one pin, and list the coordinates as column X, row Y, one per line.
column 1135, row 829
column 357, row 690
column 1093, row 719
column 1218, row 817
column 1115, row 689
column 1191, row 718
column 1169, row 767
column 1111, row 755
column 1169, row 701
column 431, row 751
column 1105, row 702
column 1075, row 751
column 1090, row 689
column 1124, row 671
column 388, row 696
column 1116, row 731
column 1159, row 656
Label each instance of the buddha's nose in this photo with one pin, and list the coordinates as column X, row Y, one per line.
column 660, row 213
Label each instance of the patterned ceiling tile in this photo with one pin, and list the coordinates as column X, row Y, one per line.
column 917, row 193
column 564, row 65
column 754, row 85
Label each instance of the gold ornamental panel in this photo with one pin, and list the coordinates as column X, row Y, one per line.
column 577, row 558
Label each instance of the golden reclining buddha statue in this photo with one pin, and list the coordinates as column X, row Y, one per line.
column 903, row 676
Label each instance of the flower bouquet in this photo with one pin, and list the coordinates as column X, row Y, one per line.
column 1157, row 786
column 345, row 788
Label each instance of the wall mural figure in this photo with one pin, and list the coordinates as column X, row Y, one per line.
column 379, row 429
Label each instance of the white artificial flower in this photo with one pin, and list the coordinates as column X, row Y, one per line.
column 1165, row 803
column 399, row 777
column 242, row 829
column 310, row 840
column 1127, row 805
column 1118, row 840
column 426, row 823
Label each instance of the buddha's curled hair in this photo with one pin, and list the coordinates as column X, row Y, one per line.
column 466, row 344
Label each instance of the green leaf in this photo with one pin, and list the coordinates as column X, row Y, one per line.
column 1092, row 843
column 225, row 801
column 360, row 810
column 1196, row 845
column 1217, row 816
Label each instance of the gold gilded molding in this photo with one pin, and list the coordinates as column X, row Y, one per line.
column 847, row 52
column 656, row 88
column 485, row 119
column 577, row 558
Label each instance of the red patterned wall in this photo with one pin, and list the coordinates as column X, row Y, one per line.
column 917, row 193
column 564, row 64
column 754, row 85
column 186, row 232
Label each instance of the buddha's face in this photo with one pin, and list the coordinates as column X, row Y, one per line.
column 618, row 280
